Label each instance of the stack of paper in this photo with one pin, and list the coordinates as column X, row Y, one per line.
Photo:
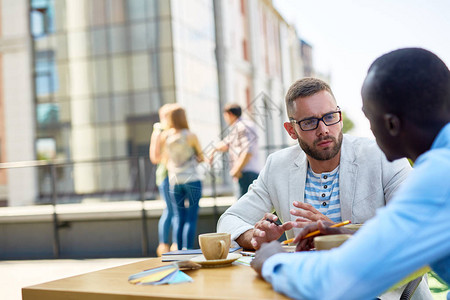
column 247, row 256
column 179, row 255
column 245, row 260
column 161, row 275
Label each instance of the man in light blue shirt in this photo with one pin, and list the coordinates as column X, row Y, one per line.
column 406, row 97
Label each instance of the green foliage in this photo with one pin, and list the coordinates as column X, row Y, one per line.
column 42, row 156
column 348, row 123
column 438, row 287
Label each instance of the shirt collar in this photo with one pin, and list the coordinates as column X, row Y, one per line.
column 443, row 138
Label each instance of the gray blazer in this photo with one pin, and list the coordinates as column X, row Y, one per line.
column 367, row 181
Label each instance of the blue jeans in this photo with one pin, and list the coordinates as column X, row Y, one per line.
column 166, row 219
column 185, row 223
column 244, row 182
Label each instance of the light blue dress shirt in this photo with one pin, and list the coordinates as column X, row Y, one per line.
column 412, row 231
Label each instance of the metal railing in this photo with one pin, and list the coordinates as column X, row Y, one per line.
column 108, row 179
column 57, row 184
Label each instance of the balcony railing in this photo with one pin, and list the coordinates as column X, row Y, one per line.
column 101, row 180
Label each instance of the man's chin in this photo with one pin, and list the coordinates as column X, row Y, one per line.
column 320, row 153
column 325, row 154
column 391, row 158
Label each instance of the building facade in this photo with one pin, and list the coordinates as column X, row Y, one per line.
column 82, row 81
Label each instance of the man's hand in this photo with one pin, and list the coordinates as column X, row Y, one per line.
column 307, row 214
column 266, row 230
column 266, row 251
column 210, row 158
column 324, row 228
column 235, row 173
column 219, row 147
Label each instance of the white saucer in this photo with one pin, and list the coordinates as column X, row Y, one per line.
column 215, row 263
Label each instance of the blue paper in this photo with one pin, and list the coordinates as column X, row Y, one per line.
column 174, row 277
column 180, row 277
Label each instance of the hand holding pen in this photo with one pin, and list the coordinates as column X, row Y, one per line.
column 304, row 239
column 267, row 230
column 317, row 231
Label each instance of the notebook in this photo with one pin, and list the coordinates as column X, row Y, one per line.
column 187, row 254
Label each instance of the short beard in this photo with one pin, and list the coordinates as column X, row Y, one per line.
column 322, row 155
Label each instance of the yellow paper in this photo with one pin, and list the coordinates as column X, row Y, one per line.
column 411, row 277
column 154, row 276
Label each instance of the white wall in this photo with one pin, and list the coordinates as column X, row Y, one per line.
column 18, row 100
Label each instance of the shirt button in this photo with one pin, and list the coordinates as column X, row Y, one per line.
column 324, row 204
column 325, row 176
column 323, row 195
column 325, row 186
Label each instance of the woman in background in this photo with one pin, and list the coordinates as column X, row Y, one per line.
column 183, row 155
column 162, row 181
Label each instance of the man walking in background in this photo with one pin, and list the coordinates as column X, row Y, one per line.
column 241, row 143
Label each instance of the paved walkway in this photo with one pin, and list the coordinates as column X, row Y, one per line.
column 16, row 274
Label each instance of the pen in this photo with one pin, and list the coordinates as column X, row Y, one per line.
column 248, row 253
column 271, row 221
column 314, row 233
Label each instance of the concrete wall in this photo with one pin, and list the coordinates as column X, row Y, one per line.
column 85, row 239
column 90, row 233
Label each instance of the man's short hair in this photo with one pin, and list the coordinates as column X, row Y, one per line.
column 234, row 109
column 412, row 82
column 304, row 87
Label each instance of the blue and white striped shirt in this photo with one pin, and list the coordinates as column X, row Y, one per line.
column 322, row 192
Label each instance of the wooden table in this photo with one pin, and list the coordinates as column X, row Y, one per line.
column 233, row 282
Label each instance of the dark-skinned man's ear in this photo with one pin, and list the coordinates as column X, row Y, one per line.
column 392, row 124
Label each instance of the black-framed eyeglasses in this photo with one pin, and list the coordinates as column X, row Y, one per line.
column 312, row 123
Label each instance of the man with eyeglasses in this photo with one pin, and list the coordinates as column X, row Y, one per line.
column 406, row 98
column 331, row 177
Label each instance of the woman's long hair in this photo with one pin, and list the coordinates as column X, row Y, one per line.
column 177, row 119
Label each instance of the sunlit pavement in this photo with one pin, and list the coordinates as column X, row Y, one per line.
column 16, row 274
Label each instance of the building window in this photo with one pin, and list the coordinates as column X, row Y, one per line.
column 46, row 148
column 46, row 79
column 42, row 18
column 47, row 114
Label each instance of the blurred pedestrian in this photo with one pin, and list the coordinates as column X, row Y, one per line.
column 241, row 143
column 162, row 181
column 183, row 153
